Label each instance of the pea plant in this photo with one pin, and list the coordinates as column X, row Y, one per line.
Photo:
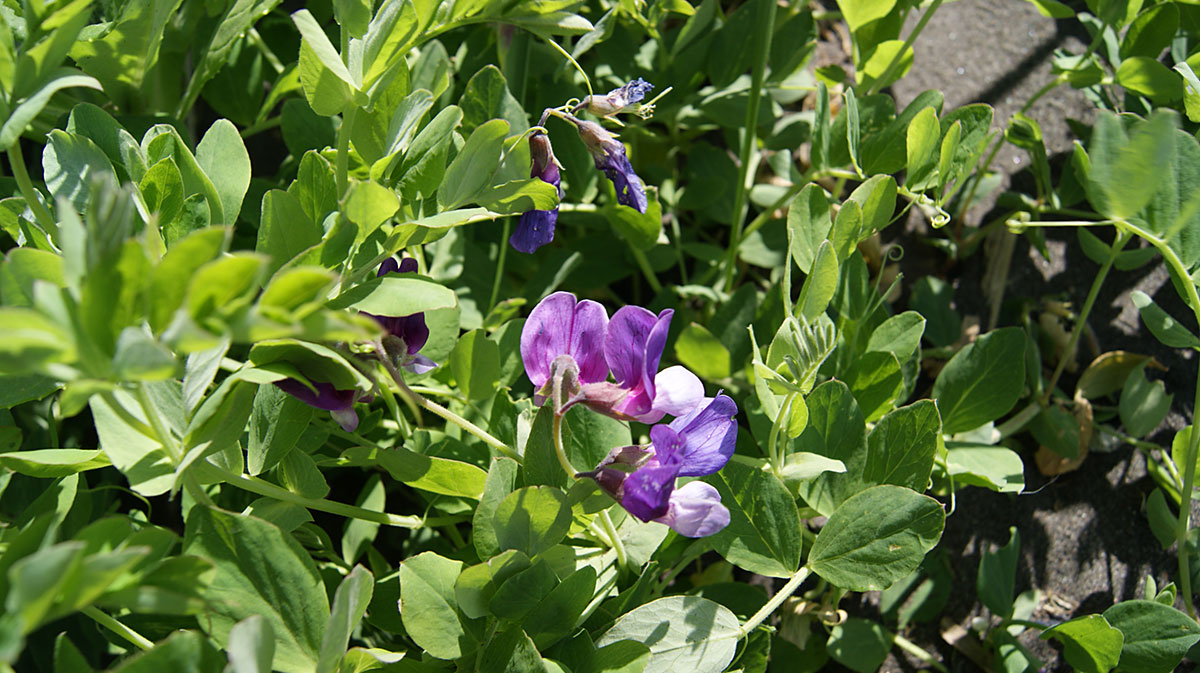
column 443, row 335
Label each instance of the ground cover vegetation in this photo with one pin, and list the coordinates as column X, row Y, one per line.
column 546, row 335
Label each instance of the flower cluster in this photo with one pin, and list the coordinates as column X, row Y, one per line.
column 406, row 335
column 536, row 227
column 569, row 347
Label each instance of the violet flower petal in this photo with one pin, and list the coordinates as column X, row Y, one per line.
column 339, row 402
column 561, row 325
column 631, row 191
column 710, row 436
column 533, row 230
column 419, row 364
column 633, row 348
column 647, row 491
column 677, row 391
column 695, row 510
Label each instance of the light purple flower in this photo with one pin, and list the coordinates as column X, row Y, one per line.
column 694, row 445
column 339, row 403
column 536, row 227
column 410, row 330
column 608, row 154
column 559, row 326
column 633, row 347
column 618, row 100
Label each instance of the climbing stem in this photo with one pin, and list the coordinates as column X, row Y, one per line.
column 342, row 169
column 614, row 538
column 560, row 451
column 103, row 619
column 21, row 174
column 784, row 592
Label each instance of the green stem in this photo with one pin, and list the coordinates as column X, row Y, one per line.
column 265, row 125
column 142, row 642
column 614, row 538
column 21, row 175
column 919, row 652
column 268, row 490
column 434, row 407
column 163, row 434
column 560, row 451
column 787, row 590
column 269, row 55
column 343, row 150
column 763, row 29
column 1081, row 321
column 884, row 79
column 647, row 271
column 1189, row 470
column 500, row 259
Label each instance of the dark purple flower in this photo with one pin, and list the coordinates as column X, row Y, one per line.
column 339, row 403
column 536, row 227
column 633, row 347
column 560, row 326
column 608, row 154
column 694, row 445
column 618, row 100
column 410, row 330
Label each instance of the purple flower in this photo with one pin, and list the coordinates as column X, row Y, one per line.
column 536, row 227
column 633, row 347
column 694, row 445
column 409, row 330
column 339, row 403
column 561, row 326
column 608, row 154
column 617, row 100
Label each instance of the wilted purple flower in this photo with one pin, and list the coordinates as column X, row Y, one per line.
column 633, row 347
column 536, row 227
column 561, row 326
column 616, row 101
column 608, row 154
column 339, row 403
column 410, row 330
column 694, row 445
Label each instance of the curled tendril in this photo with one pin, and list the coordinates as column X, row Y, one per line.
column 895, row 253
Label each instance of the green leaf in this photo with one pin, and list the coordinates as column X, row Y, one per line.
column 225, row 285
column 764, row 531
column 430, row 473
column 1126, row 172
column 1151, row 32
column 222, row 156
column 700, row 351
column 885, row 151
column 32, row 106
column 251, row 645
column 163, row 141
column 260, row 570
column 170, row 278
column 820, row 284
column 476, row 163
column 996, row 582
column 425, row 161
column 501, row 477
column 1148, row 77
column 285, row 230
column 982, row 381
column 70, row 163
column 684, row 633
column 143, row 461
column 1165, row 328
column 396, row 295
column 520, row 595
column 994, row 467
column 532, row 519
column 475, row 362
column 556, row 615
column 876, row 538
column 349, row 603
column 487, row 97
column 140, row 358
column 899, row 335
column 902, row 445
column 22, row 268
column 641, row 230
column 369, row 204
column 876, row 382
column 1053, row 9
column 1090, row 643
column 808, row 224
column 923, row 137
column 277, row 422
column 29, row 341
column 1156, row 635
column 859, row 13
column 1144, row 404
column 477, row 585
column 182, row 652
column 428, row 607
column 878, row 59
column 836, row 429
column 518, row 196
column 860, row 644
column 48, row 463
